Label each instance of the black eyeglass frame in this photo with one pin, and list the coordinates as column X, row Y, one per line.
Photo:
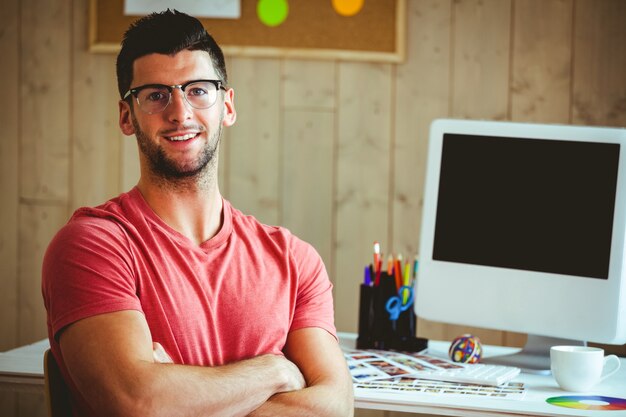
column 134, row 91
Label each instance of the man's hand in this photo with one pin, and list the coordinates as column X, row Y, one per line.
column 328, row 389
column 294, row 378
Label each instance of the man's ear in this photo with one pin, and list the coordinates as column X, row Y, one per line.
column 126, row 122
column 230, row 114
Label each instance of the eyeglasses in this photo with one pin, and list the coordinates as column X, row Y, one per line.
column 154, row 98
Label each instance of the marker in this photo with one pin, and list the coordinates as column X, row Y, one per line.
column 407, row 282
column 367, row 278
column 407, row 274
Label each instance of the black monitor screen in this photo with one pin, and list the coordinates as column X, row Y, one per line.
column 528, row 204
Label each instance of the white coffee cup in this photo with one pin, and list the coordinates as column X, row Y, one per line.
column 579, row 368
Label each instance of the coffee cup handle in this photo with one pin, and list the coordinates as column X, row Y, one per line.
column 607, row 359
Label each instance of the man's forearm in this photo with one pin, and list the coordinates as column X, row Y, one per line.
column 111, row 362
column 316, row 401
column 231, row 390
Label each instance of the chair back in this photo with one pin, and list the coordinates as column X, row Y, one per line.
column 56, row 391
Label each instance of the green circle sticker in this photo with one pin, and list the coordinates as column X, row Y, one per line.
column 272, row 12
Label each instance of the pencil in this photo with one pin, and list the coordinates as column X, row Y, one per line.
column 398, row 271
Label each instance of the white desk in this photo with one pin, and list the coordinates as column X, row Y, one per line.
column 22, row 370
column 539, row 388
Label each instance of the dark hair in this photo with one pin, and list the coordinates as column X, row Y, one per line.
column 167, row 33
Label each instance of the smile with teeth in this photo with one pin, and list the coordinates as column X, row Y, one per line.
column 182, row 137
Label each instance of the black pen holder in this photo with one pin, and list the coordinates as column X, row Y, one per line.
column 376, row 329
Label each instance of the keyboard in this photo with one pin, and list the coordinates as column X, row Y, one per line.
column 481, row 374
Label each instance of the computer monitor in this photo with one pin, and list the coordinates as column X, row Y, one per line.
column 524, row 230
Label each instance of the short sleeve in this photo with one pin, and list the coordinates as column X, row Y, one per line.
column 87, row 270
column 314, row 302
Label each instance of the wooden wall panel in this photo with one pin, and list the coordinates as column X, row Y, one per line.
column 95, row 144
column 422, row 93
column 308, row 152
column 363, row 174
column 45, row 33
column 45, row 97
column 224, row 151
column 542, row 61
column 599, row 85
column 307, row 178
column 9, row 134
column 129, row 161
column 253, row 154
column 480, row 64
column 309, row 84
column 9, row 120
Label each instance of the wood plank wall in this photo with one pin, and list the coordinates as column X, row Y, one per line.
column 333, row 150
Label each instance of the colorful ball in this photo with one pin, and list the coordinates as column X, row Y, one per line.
column 466, row 349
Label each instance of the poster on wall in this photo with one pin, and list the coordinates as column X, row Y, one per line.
column 216, row 9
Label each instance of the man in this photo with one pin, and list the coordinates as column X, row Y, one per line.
column 171, row 270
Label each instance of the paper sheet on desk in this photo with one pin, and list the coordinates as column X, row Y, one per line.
column 412, row 385
column 384, row 371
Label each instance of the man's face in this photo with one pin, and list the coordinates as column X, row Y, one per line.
column 180, row 141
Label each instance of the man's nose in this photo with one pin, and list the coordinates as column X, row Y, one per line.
column 179, row 109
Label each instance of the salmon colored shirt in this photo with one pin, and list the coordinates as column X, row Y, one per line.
column 232, row 297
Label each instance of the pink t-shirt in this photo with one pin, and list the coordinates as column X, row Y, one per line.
column 232, row 297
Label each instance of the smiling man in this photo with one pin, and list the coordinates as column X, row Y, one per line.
column 239, row 313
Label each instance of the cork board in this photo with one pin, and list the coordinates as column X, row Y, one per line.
column 312, row 30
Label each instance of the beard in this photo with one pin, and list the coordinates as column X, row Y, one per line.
column 168, row 169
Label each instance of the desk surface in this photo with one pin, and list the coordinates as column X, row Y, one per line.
column 22, row 369
column 538, row 389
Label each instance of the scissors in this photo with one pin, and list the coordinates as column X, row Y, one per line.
column 395, row 305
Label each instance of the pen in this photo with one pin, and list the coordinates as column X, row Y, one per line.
column 376, row 254
column 367, row 279
column 398, row 271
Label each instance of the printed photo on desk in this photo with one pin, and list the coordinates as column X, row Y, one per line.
column 414, row 385
column 411, row 373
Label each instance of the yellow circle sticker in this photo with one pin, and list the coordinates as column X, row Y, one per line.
column 348, row 7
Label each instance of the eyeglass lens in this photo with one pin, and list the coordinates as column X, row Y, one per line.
column 199, row 95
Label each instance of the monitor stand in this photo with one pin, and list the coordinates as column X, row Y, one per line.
column 534, row 357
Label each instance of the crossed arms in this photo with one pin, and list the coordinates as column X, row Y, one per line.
column 110, row 359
